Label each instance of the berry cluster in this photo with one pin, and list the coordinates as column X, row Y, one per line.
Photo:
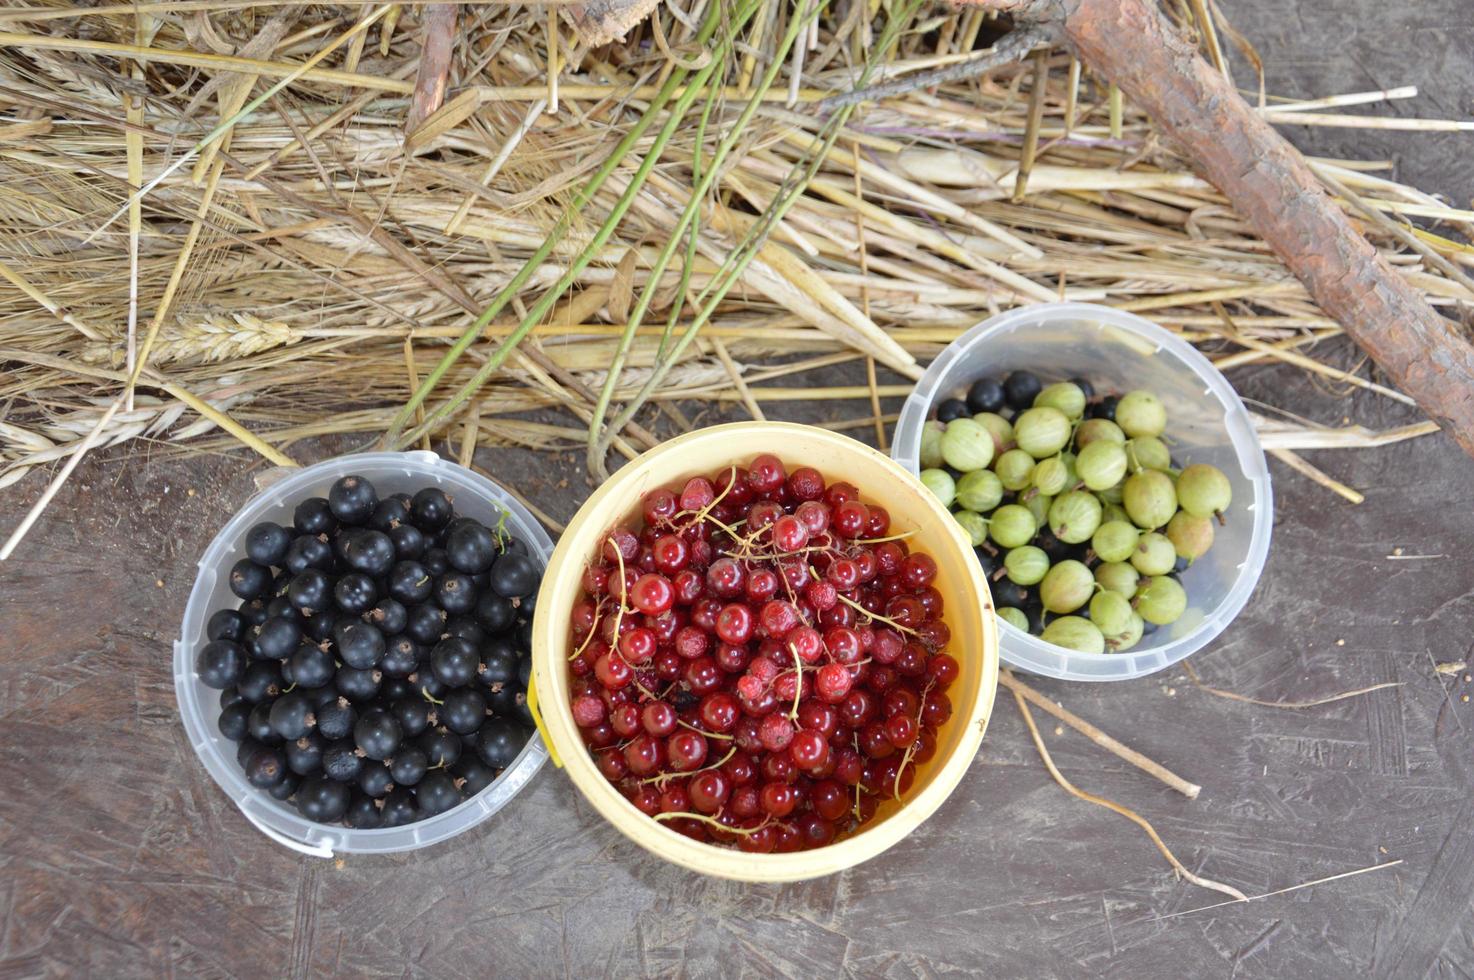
column 761, row 663
column 376, row 669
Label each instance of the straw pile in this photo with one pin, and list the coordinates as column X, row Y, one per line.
column 701, row 207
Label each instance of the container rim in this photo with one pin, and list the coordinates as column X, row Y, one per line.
column 1025, row 652
column 271, row 817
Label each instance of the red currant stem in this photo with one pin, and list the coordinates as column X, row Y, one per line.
column 702, row 731
column 875, row 617
column 592, row 630
column 798, row 687
column 665, row 777
column 624, row 590
column 890, row 537
column 905, row 760
column 687, row 815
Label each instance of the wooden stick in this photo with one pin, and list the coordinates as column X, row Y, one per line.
column 55, row 485
column 1018, row 687
column 1192, row 675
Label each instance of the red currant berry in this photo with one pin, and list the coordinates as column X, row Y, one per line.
column 732, row 484
column 806, row 483
column 873, row 741
column 848, row 767
column 704, row 613
column 731, row 658
column 725, row 578
column 943, row 670
column 697, row 493
column 849, row 518
column 588, row 711
column 671, row 553
column 912, row 662
column 888, row 558
column 818, row 717
column 833, row 683
column 625, row 720
column 745, row 802
column 763, row 515
column 709, row 791
column 658, row 718
column 857, row 708
column 652, row 594
column 686, row 750
column 734, row 623
column 843, row 644
column 829, row 799
column 701, row 675
column 813, row 515
column 879, row 524
column 821, row 595
column 865, row 562
column 901, row 730
column 778, row 799
column 740, row 769
column 611, row 763
column 645, row 798
column 762, row 585
column 612, row 671
column 926, row 745
column 837, row 493
column 776, row 731
column 637, row 646
column 790, row 534
column 905, row 610
column 809, row 749
column 806, row 642
column 936, row 709
column 918, row 571
column 815, row 830
column 644, row 754
column 674, row 798
column 719, row 712
column 900, row 701
column 621, row 544
column 766, row 473
column 934, row 635
column 658, row 506
column 596, row 579
column 778, row 767
column 778, row 618
column 667, row 665
column 746, row 734
column 843, row 574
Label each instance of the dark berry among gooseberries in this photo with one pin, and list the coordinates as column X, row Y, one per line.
column 304, row 756
column 267, row 543
column 431, row 510
column 362, row 813
column 1020, row 389
column 463, row 711
column 471, row 547
column 495, row 612
column 308, row 552
column 408, row 766
column 336, row 719
column 437, row 792
column 378, row 734
column 352, row 499
column 220, row 664
column 359, row 685
column 261, row 681
column 1105, row 408
column 1086, row 388
column 323, row 800
column 514, row 575
column 233, row 719
column 1006, row 593
column 359, row 644
column 499, row 741
column 454, row 662
column 314, row 516
column 265, row 767
column 225, row 624
column 355, row 592
column 952, row 408
column 292, row 716
column 249, row 580
column 441, row 746
column 985, row 395
column 370, row 552
column 310, row 590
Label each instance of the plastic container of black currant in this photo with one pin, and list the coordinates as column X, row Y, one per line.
column 315, row 814
column 1001, row 363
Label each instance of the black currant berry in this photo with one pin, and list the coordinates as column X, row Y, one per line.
column 431, row 510
column 476, row 774
column 258, row 725
column 495, row 612
column 265, row 767
column 352, row 499
column 454, row 662
column 323, row 800
column 378, row 734
column 1105, row 408
column 395, row 688
column 471, row 547
column 498, row 664
column 308, row 552
column 952, row 408
column 436, row 793
column 225, row 624
column 304, row 756
column 229, row 696
column 1020, row 389
column 409, row 541
column 389, row 514
column 1006, row 593
column 220, row 664
column 409, row 766
column 436, row 561
column 320, row 625
column 499, row 742
column 336, row 720
column 376, row 781
column 426, row 623
column 524, row 636
column 267, row 543
column 985, row 395
column 261, row 681
column 341, row 760
column 388, row 616
column 310, row 590
column 514, row 575
column 410, row 582
column 292, row 716
column 314, row 516
column 1086, row 388
column 244, row 749
column 1035, row 612
column 399, row 809
column 359, row 644
column 362, row 813
column 440, row 746
column 249, row 580
column 359, row 685
column 370, row 552
column 311, row 666
column 253, row 613
column 466, row 628
column 401, row 657
column 276, row 638
column 415, row 714
column 233, row 720
column 463, row 711
column 287, row 788
column 524, row 671
column 355, row 593
column 455, row 592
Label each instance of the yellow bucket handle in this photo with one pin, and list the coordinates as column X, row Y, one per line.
column 537, row 719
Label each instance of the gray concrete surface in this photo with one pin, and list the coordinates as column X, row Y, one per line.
column 121, row 858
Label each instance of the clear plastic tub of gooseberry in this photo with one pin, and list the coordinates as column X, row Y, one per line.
column 1207, row 423
column 475, row 496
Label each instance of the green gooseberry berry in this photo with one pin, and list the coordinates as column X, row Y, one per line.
column 1111, row 510
column 1098, row 430
column 1074, row 516
column 1190, row 534
column 1148, row 453
column 999, row 428
column 1066, row 587
column 1012, row 526
column 1111, row 611
column 1112, row 496
column 1114, row 540
column 976, row 526
column 1025, row 565
column 1160, row 600
column 1154, row 554
column 1015, row 469
column 931, row 444
column 1013, row 617
column 1118, row 576
column 1074, row 633
column 1051, row 476
column 1150, row 498
column 1042, row 431
column 941, row 484
column 966, row 445
column 1141, row 413
column 980, row 491
column 1129, row 637
column 1068, row 458
column 1038, row 505
column 1101, row 465
column 1203, row 490
column 1065, row 396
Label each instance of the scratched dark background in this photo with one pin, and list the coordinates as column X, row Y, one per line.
column 121, row 858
